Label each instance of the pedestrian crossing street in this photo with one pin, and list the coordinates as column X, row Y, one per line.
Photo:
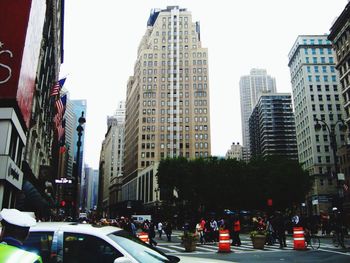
column 211, row 248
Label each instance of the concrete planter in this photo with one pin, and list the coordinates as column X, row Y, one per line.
column 189, row 245
column 259, row 241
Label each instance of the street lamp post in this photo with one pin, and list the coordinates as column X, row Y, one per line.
column 80, row 130
column 333, row 143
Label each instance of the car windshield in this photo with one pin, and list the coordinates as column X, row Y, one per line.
column 138, row 249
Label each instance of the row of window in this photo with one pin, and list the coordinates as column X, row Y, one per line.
column 170, row 71
column 316, row 60
column 180, row 86
column 152, row 103
column 155, row 55
column 325, row 78
column 174, row 39
column 173, row 77
column 321, row 96
column 320, row 51
column 169, row 62
column 152, row 128
column 326, row 87
column 310, row 60
column 316, row 69
column 319, row 41
column 181, row 47
column 322, row 107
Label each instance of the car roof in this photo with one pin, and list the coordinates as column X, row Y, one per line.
column 74, row 227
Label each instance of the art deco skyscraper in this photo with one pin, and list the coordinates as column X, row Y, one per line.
column 167, row 103
column 251, row 87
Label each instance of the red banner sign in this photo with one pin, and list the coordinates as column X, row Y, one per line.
column 20, row 41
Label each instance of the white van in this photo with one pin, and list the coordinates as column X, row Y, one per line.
column 141, row 218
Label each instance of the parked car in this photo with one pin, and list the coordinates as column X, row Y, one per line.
column 65, row 242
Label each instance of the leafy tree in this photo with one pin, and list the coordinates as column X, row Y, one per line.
column 217, row 183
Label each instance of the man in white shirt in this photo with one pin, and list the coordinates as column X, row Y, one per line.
column 160, row 229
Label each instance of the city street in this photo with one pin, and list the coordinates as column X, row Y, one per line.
column 246, row 253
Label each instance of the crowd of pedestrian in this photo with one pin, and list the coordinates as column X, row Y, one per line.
column 161, row 228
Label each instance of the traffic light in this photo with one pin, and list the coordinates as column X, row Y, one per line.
column 63, row 203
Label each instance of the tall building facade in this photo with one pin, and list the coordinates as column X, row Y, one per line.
column 235, row 152
column 90, row 189
column 251, row 87
column 316, row 95
column 272, row 127
column 167, row 103
column 113, row 162
column 340, row 36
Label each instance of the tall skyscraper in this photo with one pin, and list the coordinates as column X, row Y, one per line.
column 167, row 104
column 113, row 159
column 272, row 127
column 251, row 87
column 316, row 94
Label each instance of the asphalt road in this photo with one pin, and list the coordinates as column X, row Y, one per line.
column 246, row 253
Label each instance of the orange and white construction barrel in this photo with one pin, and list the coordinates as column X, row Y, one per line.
column 224, row 241
column 143, row 236
column 299, row 238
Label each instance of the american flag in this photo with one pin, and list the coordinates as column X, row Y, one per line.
column 60, row 132
column 57, row 120
column 61, row 105
column 55, row 90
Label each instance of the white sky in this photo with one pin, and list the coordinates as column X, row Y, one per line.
column 102, row 37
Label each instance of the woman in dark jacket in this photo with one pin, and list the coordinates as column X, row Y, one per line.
column 168, row 230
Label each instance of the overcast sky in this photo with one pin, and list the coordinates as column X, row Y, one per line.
column 101, row 40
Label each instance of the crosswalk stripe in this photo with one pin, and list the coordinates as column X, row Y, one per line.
column 246, row 247
column 208, row 248
column 167, row 249
column 178, row 247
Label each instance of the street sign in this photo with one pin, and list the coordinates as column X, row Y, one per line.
column 63, row 181
column 341, row 177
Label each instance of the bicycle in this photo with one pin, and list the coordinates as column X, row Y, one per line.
column 338, row 239
column 312, row 240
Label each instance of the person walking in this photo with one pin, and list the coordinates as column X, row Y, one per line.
column 270, row 238
column 15, row 230
column 280, row 228
column 236, row 241
column 200, row 232
column 152, row 234
column 160, row 229
column 168, row 230
column 215, row 230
